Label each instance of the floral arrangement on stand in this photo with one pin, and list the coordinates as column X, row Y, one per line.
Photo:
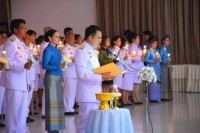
column 147, row 74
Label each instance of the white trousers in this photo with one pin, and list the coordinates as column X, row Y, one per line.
column 16, row 111
column 30, row 95
column 84, row 110
column 2, row 94
column 69, row 94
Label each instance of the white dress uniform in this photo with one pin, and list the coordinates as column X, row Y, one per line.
column 118, row 80
column 2, row 88
column 88, row 83
column 31, row 76
column 41, row 80
column 16, row 84
column 70, row 79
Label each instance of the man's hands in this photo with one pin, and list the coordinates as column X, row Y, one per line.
column 28, row 65
column 106, row 76
column 1, row 66
column 62, row 66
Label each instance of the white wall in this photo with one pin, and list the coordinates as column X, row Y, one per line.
column 57, row 14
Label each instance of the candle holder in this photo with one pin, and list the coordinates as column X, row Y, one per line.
column 104, row 98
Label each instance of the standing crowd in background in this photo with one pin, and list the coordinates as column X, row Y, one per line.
column 54, row 73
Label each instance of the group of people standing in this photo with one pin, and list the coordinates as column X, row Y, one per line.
column 42, row 65
column 136, row 55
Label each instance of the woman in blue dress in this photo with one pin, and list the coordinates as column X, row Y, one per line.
column 54, row 106
column 166, row 87
column 152, row 59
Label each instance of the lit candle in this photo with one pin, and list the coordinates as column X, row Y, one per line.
column 134, row 53
column 38, row 46
column 144, row 51
column 145, row 46
column 60, row 42
column 4, row 52
column 168, row 55
column 115, row 87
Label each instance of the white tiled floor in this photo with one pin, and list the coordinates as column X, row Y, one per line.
column 182, row 115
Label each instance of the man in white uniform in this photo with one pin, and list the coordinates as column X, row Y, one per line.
column 3, row 39
column 70, row 78
column 16, row 79
column 88, row 83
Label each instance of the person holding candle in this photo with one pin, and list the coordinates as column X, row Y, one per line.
column 51, row 62
column 153, row 60
column 105, row 59
column 166, row 88
column 17, row 92
column 146, row 35
column 70, row 77
column 30, row 73
column 125, row 55
column 116, row 49
column 135, row 60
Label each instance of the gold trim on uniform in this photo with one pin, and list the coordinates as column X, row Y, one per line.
column 83, row 47
column 13, row 39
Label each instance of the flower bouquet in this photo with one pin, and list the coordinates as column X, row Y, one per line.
column 147, row 74
column 4, row 61
column 67, row 60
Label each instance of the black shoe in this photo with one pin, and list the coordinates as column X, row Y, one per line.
column 76, row 106
column 43, row 117
column 76, row 112
column 166, row 99
column 125, row 104
column 29, row 120
column 69, row 113
column 4, row 116
column 153, row 101
column 2, row 125
column 34, row 102
column 39, row 104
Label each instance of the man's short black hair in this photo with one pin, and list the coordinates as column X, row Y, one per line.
column 15, row 24
column 147, row 32
column 31, row 32
column 131, row 36
column 67, row 30
column 164, row 37
column 126, row 32
column 91, row 30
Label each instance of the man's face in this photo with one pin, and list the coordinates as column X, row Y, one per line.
column 20, row 31
column 96, row 39
column 4, row 38
column 32, row 38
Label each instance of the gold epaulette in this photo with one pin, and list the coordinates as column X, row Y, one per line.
column 164, row 48
column 131, row 44
column 82, row 47
column 151, row 50
column 13, row 39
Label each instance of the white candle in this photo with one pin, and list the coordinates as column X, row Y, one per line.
column 145, row 46
column 168, row 55
column 156, row 53
column 134, row 53
column 115, row 87
column 38, row 46
column 4, row 52
column 60, row 42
